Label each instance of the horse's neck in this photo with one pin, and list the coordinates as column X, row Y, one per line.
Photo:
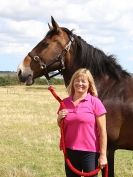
column 104, row 85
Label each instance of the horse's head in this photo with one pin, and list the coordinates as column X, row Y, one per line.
column 48, row 55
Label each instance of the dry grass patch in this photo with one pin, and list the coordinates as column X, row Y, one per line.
column 29, row 135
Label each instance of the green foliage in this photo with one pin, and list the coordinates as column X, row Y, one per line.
column 55, row 81
column 8, row 80
column 12, row 79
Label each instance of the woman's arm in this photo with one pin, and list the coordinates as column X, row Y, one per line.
column 101, row 122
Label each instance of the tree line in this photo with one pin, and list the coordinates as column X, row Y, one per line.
column 12, row 79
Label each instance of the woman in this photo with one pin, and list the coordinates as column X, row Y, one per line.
column 84, row 124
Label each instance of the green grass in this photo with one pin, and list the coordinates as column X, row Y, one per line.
column 29, row 135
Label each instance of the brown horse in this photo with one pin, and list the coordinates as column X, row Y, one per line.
column 66, row 52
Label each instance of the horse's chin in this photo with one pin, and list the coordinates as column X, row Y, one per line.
column 29, row 81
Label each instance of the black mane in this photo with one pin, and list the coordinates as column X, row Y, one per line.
column 95, row 59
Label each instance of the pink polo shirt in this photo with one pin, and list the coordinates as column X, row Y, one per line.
column 80, row 127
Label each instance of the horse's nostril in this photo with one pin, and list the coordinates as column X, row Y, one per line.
column 19, row 72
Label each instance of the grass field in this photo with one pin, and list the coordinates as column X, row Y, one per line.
column 29, row 135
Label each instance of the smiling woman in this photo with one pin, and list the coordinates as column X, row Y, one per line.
column 86, row 145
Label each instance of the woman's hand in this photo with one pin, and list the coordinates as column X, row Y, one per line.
column 62, row 114
column 102, row 161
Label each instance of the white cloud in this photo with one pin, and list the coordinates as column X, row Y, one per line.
column 106, row 24
column 29, row 28
column 11, row 48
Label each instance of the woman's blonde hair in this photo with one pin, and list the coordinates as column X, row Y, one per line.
column 83, row 72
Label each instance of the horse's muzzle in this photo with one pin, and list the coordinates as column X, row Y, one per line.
column 27, row 79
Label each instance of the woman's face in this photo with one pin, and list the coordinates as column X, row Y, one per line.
column 81, row 84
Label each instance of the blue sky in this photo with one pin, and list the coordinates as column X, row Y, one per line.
column 105, row 24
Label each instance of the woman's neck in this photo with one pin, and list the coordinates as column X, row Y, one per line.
column 79, row 96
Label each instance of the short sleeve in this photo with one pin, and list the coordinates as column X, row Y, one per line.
column 98, row 107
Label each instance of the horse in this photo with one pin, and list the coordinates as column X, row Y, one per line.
column 64, row 52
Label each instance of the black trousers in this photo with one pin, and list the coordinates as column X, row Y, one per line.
column 82, row 160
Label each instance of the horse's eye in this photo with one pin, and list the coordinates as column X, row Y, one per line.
column 45, row 45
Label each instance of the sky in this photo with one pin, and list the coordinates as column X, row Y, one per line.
column 105, row 24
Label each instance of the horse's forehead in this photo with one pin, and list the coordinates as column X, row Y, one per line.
column 53, row 38
column 61, row 36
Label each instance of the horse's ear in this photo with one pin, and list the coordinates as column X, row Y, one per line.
column 50, row 27
column 54, row 24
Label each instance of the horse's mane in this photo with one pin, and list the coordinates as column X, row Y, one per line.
column 95, row 59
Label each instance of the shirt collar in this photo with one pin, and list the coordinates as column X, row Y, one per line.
column 85, row 99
